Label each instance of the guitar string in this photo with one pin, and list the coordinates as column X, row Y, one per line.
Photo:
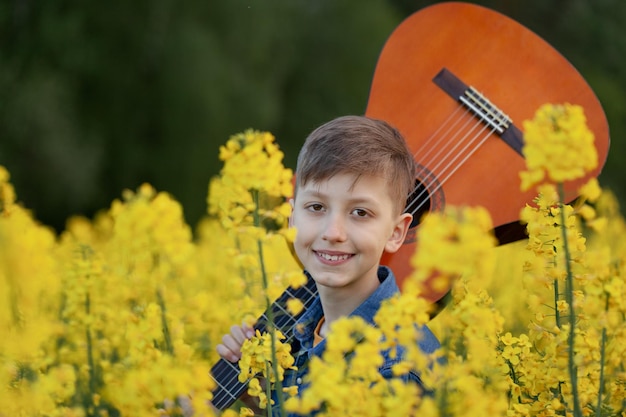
column 467, row 155
column 450, row 141
column 437, row 182
column 232, row 370
column 450, row 123
column 449, row 161
column 424, row 159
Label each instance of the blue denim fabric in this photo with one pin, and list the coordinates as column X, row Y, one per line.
column 303, row 348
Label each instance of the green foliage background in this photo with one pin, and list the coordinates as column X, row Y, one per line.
column 96, row 97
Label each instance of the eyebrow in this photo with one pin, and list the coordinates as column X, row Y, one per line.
column 315, row 193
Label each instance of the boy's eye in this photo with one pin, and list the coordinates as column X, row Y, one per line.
column 315, row 207
column 360, row 212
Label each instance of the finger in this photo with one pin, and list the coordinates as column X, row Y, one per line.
column 230, row 348
column 231, row 343
column 228, row 354
column 238, row 333
column 247, row 329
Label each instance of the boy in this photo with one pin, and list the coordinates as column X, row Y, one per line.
column 353, row 177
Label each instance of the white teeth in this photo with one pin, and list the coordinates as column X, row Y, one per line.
column 334, row 257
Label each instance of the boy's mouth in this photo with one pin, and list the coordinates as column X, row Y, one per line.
column 333, row 257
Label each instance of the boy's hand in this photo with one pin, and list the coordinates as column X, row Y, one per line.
column 230, row 348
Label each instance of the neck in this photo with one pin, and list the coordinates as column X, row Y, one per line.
column 340, row 302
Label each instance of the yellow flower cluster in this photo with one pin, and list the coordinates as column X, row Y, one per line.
column 471, row 378
column 258, row 354
column 542, row 362
column 29, row 306
column 452, row 242
column 253, row 182
column 249, row 198
column 120, row 315
column 558, row 145
column 346, row 380
column 545, row 235
column 467, row 379
column 567, row 362
column 124, row 280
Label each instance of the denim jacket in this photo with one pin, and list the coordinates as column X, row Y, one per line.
column 303, row 349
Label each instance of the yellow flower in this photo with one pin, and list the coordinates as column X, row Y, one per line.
column 453, row 242
column 7, row 192
column 591, row 190
column 508, row 339
column 246, row 412
column 511, row 353
column 252, row 161
column 256, row 356
column 558, row 145
column 294, row 306
column 292, row 391
column 254, row 388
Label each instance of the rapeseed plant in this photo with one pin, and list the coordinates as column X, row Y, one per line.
column 250, row 200
column 564, row 370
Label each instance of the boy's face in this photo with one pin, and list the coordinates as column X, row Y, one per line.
column 343, row 228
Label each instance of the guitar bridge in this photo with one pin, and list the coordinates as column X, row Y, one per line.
column 481, row 107
column 486, row 111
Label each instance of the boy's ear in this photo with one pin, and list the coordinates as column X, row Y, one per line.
column 399, row 232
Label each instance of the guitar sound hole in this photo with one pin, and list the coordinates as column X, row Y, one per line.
column 427, row 195
column 418, row 202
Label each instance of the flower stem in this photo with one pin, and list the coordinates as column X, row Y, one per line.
column 569, row 297
column 557, row 314
column 602, row 358
column 92, row 372
column 92, row 383
column 270, row 316
column 169, row 347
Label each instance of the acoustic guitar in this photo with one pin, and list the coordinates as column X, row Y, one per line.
column 457, row 80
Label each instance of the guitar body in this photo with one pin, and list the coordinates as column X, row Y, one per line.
column 513, row 68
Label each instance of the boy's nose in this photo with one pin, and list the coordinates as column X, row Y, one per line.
column 334, row 229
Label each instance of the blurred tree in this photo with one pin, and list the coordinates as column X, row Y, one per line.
column 97, row 97
column 592, row 35
column 100, row 97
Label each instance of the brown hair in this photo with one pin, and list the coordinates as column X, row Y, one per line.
column 361, row 146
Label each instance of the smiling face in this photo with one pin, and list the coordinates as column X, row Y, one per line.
column 343, row 226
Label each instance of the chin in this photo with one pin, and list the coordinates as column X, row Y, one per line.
column 328, row 280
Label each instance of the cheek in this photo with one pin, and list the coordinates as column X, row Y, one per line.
column 301, row 245
column 302, row 232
